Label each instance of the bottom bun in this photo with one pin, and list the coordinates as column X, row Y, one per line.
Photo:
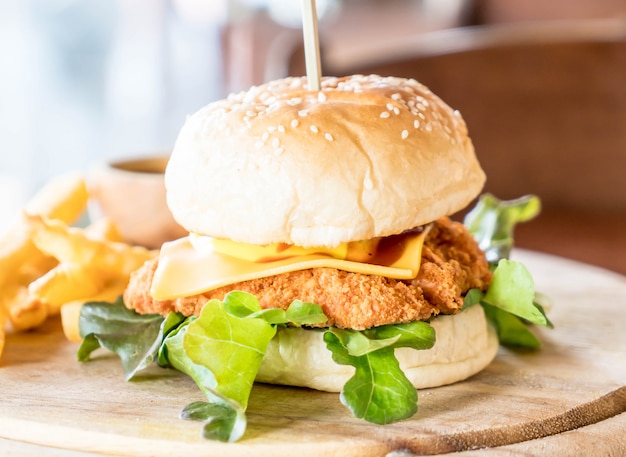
column 466, row 343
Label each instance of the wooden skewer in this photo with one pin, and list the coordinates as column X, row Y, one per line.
column 311, row 44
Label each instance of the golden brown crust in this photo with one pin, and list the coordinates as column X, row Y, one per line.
column 452, row 264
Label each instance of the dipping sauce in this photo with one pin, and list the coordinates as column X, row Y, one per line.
column 132, row 194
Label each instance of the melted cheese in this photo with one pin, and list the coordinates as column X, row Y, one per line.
column 193, row 265
column 275, row 251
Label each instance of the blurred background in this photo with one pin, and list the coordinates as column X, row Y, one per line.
column 542, row 85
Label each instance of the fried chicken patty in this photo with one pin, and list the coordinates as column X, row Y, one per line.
column 452, row 263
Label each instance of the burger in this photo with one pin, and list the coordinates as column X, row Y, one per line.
column 324, row 217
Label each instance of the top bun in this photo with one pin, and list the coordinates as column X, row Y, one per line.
column 366, row 156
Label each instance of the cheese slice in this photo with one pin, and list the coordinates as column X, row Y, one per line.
column 191, row 265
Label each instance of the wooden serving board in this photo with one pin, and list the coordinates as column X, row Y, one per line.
column 567, row 399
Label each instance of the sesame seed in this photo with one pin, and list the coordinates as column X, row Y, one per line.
column 389, row 106
column 271, row 128
column 429, row 127
column 396, row 110
column 321, row 96
column 385, row 114
column 294, row 101
column 275, row 142
column 302, row 113
column 279, row 151
column 281, row 129
column 295, row 123
column 314, row 129
column 396, row 96
column 328, row 136
column 416, row 124
column 405, row 134
column 265, row 136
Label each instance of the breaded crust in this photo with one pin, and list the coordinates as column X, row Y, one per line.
column 452, row 264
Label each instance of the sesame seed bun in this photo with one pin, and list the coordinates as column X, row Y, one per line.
column 366, row 156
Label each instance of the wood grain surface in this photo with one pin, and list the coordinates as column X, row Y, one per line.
column 568, row 399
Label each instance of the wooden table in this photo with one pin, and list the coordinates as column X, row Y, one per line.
column 567, row 400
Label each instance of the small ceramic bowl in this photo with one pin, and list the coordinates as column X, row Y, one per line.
column 131, row 193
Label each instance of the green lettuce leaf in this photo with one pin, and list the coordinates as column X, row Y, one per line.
column 472, row 297
column 358, row 344
column 222, row 422
column 417, row 335
column 231, row 347
column 492, row 222
column 223, row 418
column 513, row 290
column 379, row 391
column 511, row 329
column 172, row 354
column 163, row 358
column 134, row 337
column 303, row 313
column 242, row 304
column 510, row 304
column 511, row 301
column 222, row 350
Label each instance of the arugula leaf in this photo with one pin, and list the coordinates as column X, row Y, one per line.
column 511, row 330
column 379, row 391
column 417, row 334
column 512, row 289
column 542, row 310
column 134, row 337
column 472, row 297
column 358, row 344
column 509, row 303
column 492, row 222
